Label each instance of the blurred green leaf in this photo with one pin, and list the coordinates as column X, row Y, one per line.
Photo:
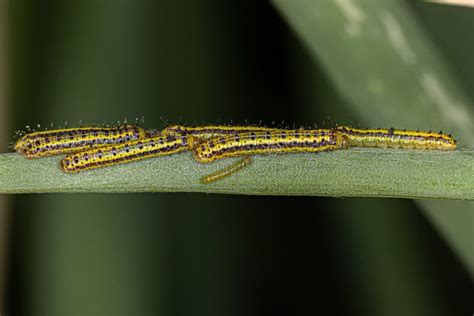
column 381, row 60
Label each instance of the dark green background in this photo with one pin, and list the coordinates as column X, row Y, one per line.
column 198, row 62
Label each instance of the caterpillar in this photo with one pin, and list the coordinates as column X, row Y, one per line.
column 269, row 142
column 211, row 131
column 393, row 138
column 227, row 171
column 70, row 140
column 124, row 153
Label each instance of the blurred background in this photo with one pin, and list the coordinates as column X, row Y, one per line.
column 208, row 62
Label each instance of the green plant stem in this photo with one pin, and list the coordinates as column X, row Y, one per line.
column 356, row 172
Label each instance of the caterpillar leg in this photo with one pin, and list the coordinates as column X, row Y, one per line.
column 227, row 171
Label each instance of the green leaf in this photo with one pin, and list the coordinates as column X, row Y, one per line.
column 382, row 61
